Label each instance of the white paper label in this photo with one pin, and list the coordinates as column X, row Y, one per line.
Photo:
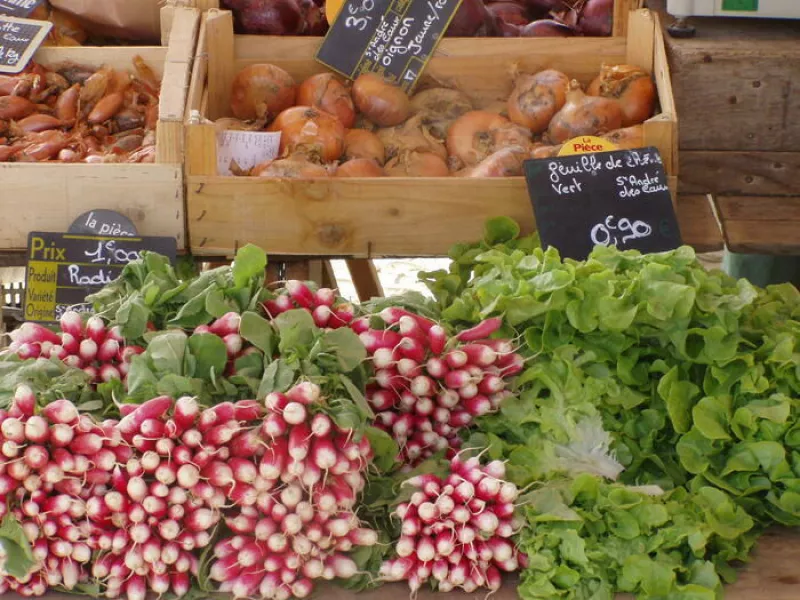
column 245, row 149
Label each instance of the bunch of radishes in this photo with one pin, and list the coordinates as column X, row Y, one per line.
column 55, row 526
column 92, row 346
column 295, row 520
column 52, row 462
column 457, row 530
column 227, row 328
column 167, row 500
column 327, row 310
column 428, row 386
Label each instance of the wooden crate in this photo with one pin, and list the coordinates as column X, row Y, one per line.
column 735, row 85
column 621, row 9
column 48, row 196
column 384, row 217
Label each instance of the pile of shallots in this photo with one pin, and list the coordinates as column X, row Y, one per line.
column 79, row 114
column 373, row 129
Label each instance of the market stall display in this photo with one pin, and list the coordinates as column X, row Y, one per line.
column 643, row 437
column 65, row 147
column 225, row 83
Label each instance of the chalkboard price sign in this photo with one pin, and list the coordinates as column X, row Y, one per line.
column 18, row 8
column 64, row 268
column 19, row 40
column 393, row 38
column 617, row 198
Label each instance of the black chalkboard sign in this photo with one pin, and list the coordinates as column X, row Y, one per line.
column 617, row 198
column 64, row 268
column 393, row 38
column 103, row 222
column 19, row 40
column 18, row 8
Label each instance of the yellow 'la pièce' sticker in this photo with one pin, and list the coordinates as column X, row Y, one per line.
column 332, row 9
column 585, row 144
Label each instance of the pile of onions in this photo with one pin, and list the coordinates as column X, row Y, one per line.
column 474, row 18
column 372, row 128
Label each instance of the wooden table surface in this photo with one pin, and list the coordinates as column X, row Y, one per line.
column 773, row 574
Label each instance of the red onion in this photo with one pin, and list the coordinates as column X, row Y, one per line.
column 513, row 13
column 471, row 20
column 546, row 28
column 269, row 17
column 597, row 18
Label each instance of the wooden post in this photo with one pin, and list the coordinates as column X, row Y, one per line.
column 219, row 42
column 365, row 278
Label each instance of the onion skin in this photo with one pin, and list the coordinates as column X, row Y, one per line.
column 359, row 143
column 261, row 92
column 477, row 134
column 546, row 151
column 290, row 168
column 311, row 132
column 632, row 86
column 627, row 138
column 360, row 167
column 506, row 162
column 597, row 18
column 417, row 164
column 325, row 92
column 384, row 104
column 411, row 136
column 536, row 99
column 438, row 108
column 546, row 28
column 584, row 115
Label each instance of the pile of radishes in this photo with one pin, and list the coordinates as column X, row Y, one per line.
column 227, row 329
column 53, row 462
column 428, row 386
column 295, row 499
column 92, row 346
column 328, row 311
column 456, row 531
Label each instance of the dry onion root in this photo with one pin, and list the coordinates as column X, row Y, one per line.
column 439, row 108
column 384, row 104
column 584, row 115
column 478, row 134
column 360, row 167
column 411, row 136
column 417, row 164
column 359, row 143
column 536, row 99
column 632, row 86
column 327, row 93
column 261, row 92
column 311, row 132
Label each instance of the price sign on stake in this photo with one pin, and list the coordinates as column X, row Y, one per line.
column 18, row 8
column 19, row 40
column 63, row 268
column 617, row 198
column 243, row 150
column 393, row 38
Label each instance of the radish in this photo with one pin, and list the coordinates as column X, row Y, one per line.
column 226, row 324
column 300, row 293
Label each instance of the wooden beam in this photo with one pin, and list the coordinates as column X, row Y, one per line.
column 740, row 173
column 365, row 279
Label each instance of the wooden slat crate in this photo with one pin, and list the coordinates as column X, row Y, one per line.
column 48, row 196
column 396, row 216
